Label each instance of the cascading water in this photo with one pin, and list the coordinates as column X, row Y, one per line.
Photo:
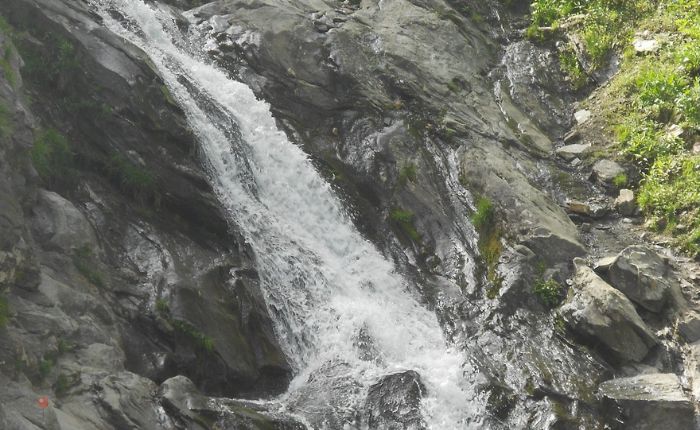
column 325, row 285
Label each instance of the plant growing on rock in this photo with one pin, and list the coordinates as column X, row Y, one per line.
column 549, row 291
column 84, row 262
column 4, row 311
column 486, row 224
column 53, row 159
column 404, row 220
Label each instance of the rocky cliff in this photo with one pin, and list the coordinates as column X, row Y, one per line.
column 131, row 298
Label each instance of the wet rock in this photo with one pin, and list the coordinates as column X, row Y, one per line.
column 589, row 209
column 393, row 403
column 689, row 326
column 577, row 150
column 624, row 203
column 643, row 276
column 581, row 116
column 645, row 46
column 650, row 402
column 603, row 315
column 553, row 248
column 604, row 171
column 60, row 225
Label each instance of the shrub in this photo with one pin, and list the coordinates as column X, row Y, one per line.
column 132, row 178
column 53, row 158
column 201, row 340
column 549, row 291
column 404, row 220
column 162, row 306
column 572, row 68
column 84, row 262
column 486, row 224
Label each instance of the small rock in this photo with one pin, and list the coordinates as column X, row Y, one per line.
column 575, row 162
column 602, row 314
column 696, row 148
column 624, row 203
column 645, row 46
column 650, row 401
column 604, row 171
column 582, row 116
column 577, row 207
column 675, row 131
column 569, row 152
column 643, row 276
column 586, row 227
column 571, row 136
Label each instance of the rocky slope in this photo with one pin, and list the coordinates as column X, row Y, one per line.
column 131, row 296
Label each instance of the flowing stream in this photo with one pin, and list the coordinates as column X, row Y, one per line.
column 334, row 298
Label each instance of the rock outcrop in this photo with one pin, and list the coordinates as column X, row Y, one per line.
column 644, row 276
column 602, row 314
column 651, row 401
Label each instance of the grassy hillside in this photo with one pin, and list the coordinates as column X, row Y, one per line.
column 652, row 105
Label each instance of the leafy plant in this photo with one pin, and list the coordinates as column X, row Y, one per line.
column 200, row 339
column 620, row 180
column 549, row 291
column 53, row 159
column 404, row 220
column 486, row 224
column 84, row 261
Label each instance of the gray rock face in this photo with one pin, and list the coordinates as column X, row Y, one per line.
column 643, row 276
column 597, row 311
column 60, row 225
column 604, row 171
column 393, row 403
column 651, row 401
column 689, row 326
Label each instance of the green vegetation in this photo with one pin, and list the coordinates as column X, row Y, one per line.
column 45, row 367
column 486, row 224
column 53, row 158
column 620, row 180
column 4, row 311
column 404, row 220
column 162, row 307
column 84, row 261
column 62, row 385
column 132, row 178
column 5, row 121
column 201, row 340
column 408, row 173
column 6, row 65
column 547, row 290
column 652, row 105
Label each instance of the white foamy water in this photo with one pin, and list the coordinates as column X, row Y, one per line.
column 323, row 282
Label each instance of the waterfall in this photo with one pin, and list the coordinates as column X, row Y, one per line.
column 325, row 285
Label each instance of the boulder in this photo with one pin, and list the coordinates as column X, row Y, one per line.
column 60, row 225
column 604, row 171
column 393, row 403
column 581, row 116
column 643, row 276
column 577, row 150
column 689, row 326
column 600, row 313
column 692, row 369
column 650, row 402
column 624, row 203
